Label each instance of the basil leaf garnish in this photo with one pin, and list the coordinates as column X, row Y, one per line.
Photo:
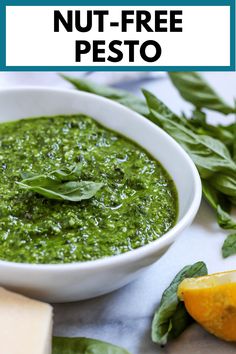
column 71, row 191
column 61, row 184
column 171, row 317
column 63, row 345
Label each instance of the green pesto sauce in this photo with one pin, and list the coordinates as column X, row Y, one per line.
column 136, row 205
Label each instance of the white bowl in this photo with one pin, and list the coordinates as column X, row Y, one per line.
column 77, row 281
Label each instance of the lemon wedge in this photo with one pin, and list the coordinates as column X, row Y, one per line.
column 211, row 301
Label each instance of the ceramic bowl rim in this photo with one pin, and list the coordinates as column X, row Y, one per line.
column 141, row 252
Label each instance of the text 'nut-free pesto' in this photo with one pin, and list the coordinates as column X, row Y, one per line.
column 135, row 203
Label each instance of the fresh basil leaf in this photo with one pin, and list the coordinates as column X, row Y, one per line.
column 160, row 107
column 220, row 204
column 180, row 321
column 225, row 220
column 210, row 155
column 229, row 246
column 194, row 89
column 214, row 197
column 211, row 194
column 123, row 97
column 61, row 184
column 225, row 184
column 71, row 191
column 199, row 117
column 217, row 190
column 64, row 345
column 171, row 317
column 199, row 125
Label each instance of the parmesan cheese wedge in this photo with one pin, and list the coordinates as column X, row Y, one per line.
column 25, row 325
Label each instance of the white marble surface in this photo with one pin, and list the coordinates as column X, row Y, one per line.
column 124, row 317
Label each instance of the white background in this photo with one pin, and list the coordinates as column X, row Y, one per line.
column 31, row 41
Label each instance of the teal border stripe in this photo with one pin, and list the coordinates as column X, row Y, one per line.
column 232, row 34
column 2, row 36
column 117, row 3
column 181, row 3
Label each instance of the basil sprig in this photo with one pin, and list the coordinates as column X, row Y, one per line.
column 209, row 154
column 212, row 148
column 171, row 317
column 64, row 345
column 61, row 184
